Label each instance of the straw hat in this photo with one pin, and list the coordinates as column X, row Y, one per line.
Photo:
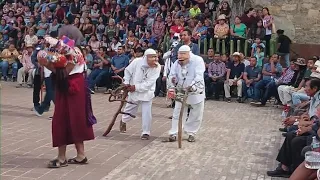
column 221, row 17
column 301, row 62
column 236, row 54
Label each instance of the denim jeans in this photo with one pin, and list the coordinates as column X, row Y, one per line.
column 245, row 89
column 258, row 87
column 297, row 97
column 48, row 97
column 286, row 57
column 5, row 68
column 96, row 76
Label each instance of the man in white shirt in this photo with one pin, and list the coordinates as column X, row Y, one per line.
column 140, row 78
column 188, row 73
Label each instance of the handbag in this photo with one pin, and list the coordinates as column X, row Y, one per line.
column 91, row 119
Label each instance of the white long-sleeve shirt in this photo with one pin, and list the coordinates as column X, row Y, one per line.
column 140, row 74
column 168, row 63
column 191, row 74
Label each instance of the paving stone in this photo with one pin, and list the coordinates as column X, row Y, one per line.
column 235, row 142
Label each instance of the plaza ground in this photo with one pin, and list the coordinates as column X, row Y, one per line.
column 236, row 142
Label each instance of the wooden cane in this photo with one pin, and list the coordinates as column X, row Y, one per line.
column 114, row 97
column 180, row 119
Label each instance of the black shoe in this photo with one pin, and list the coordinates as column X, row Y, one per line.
column 283, row 129
column 279, row 172
column 284, row 134
column 228, row 100
column 191, row 138
column 145, row 137
column 37, row 111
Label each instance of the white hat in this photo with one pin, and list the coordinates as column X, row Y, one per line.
column 184, row 48
column 221, row 17
column 150, row 52
column 315, row 75
column 236, row 54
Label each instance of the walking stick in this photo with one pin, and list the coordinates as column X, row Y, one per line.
column 41, row 82
column 122, row 92
column 180, row 119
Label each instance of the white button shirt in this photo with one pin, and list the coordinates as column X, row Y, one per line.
column 191, row 74
column 144, row 78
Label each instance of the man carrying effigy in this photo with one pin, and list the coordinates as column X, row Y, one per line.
column 140, row 79
column 187, row 74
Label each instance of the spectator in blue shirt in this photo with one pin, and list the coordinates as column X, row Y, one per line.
column 251, row 75
column 270, row 72
column 119, row 62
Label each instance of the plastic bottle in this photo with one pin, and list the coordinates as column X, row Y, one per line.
column 315, row 145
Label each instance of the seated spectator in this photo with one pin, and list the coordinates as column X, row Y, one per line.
column 101, row 28
column 251, row 75
column 216, row 77
column 115, row 44
column 177, row 28
column 27, row 67
column 42, row 27
column 200, row 31
column 9, row 57
column 89, row 60
column 119, row 62
column 289, row 155
column 158, row 29
column 235, row 71
column 100, row 69
column 238, row 32
column 136, row 53
column 131, row 41
column 257, row 42
column 31, row 38
column 195, row 10
column 94, row 43
column 285, row 91
column 53, row 28
column 183, row 12
column 221, row 30
column 271, row 72
column 151, row 40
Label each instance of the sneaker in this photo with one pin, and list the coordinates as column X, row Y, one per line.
column 108, row 91
column 92, row 91
column 36, row 110
column 279, row 172
column 191, row 138
column 145, row 137
column 283, row 129
column 228, row 100
column 50, row 118
column 172, row 138
column 19, row 86
column 239, row 100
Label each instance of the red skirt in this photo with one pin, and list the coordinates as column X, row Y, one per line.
column 69, row 123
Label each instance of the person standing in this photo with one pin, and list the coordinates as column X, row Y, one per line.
column 140, row 79
column 188, row 73
column 45, row 105
column 28, row 67
column 70, row 123
column 284, row 43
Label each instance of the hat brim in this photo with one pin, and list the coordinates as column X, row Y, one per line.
column 300, row 64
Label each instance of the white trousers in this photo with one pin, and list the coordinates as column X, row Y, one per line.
column 146, row 107
column 22, row 74
column 191, row 124
column 229, row 84
column 285, row 94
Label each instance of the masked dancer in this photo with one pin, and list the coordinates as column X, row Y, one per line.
column 140, row 78
column 70, row 124
column 188, row 73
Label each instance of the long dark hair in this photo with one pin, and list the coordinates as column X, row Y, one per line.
column 60, row 80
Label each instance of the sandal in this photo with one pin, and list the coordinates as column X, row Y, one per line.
column 75, row 161
column 57, row 164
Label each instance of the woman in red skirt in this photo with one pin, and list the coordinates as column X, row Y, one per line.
column 70, row 123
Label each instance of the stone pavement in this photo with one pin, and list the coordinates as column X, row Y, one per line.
column 236, row 142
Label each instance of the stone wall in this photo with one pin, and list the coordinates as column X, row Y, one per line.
column 299, row 18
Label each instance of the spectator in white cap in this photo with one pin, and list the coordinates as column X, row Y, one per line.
column 188, row 73
column 140, row 78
